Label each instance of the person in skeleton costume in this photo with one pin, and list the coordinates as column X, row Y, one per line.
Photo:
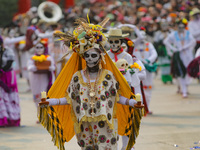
column 163, row 58
column 145, row 52
column 180, row 44
column 9, row 42
column 40, row 80
column 193, row 26
column 9, row 99
column 116, row 52
column 88, row 88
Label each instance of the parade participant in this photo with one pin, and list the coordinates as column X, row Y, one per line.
column 91, row 84
column 193, row 26
column 180, row 43
column 116, row 51
column 164, row 59
column 145, row 52
column 9, row 42
column 9, row 99
column 41, row 76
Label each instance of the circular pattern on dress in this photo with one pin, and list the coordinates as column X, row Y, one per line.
column 96, row 147
column 117, row 85
column 101, row 124
column 102, row 138
column 78, row 99
column 105, row 83
column 107, row 94
column 113, row 141
column 103, row 98
column 81, row 143
column 108, row 76
column 76, row 79
column 109, row 116
column 94, row 111
column 78, row 86
column 85, row 106
column 112, row 92
column 73, row 95
column 77, row 109
column 98, row 104
column 110, row 104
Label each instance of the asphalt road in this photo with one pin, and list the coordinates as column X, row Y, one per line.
column 174, row 125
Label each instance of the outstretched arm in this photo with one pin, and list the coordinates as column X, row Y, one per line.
column 57, row 101
column 126, row 101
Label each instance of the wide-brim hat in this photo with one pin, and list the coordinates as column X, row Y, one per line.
column 194, row 11
column 116, row 33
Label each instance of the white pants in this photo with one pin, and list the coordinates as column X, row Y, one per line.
column 183, row 85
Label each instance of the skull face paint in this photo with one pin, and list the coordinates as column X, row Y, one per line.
column 122, row 64
column 115, row 44
column 39, row 49
column 92, row 58
column 181, row 27
column 143, row 35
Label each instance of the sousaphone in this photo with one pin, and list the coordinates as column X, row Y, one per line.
column 49, row 12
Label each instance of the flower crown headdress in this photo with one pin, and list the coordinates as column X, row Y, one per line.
column 84, row 37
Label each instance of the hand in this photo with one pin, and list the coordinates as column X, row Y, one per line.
column 33, row 68
column 44, row 104
column 145, row 61
column 132, row 102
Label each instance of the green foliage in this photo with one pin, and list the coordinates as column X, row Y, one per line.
column 7, row 10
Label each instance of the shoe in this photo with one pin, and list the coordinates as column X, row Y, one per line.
column 184, row 96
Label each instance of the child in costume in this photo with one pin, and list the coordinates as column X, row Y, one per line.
column 9, row 99
column 180, row 44
column 91, row 84
column 40, row 80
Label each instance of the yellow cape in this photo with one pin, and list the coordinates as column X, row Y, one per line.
column 60, row 116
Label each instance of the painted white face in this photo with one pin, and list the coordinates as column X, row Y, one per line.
column 115, row 44
column 143, row 35
column 12, row 33
column 122, row 64
column 92, row 57
column 39, row 49
column 181, row 27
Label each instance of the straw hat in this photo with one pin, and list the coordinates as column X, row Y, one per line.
column 194, row 11
column 116, row 33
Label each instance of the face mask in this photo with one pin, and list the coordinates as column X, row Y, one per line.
column 92, row 58
column 115, row 44
column 39, row 49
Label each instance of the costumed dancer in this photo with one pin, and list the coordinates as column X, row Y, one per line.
column 9, row 42
column 145, row 52
column 180, row 44
column 9, row 98
column 89, row 90
column 193, row 26
column 164, row 59
column 40, row 67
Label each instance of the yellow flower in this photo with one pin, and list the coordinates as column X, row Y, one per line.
column 97, row 131
column 84, row 135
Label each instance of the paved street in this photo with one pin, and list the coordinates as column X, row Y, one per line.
column 174, row 125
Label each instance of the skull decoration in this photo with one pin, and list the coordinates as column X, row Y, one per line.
column 122, row 64
column 92, row 57
column 115, row 44
column 39, row 49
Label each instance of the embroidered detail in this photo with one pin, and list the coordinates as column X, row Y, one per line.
column 81, row 143
column 98, row 104
column 108, row 76
column 109, row 116
column 110, row 104
column 76, row 79
column 77, row 109
column 113, row 141
column 78, row 100
column 107, row 94
column 102, row 138
column 105, row 83
column 101, row 124
column 112, row 92
column 73, row 95
column 117, row 85
column 85, row 106
column 89, row 148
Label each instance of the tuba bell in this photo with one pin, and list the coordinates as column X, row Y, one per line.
column 49, row 12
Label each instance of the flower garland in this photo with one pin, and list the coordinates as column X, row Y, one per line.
column 40, row 58
column 136, row 66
